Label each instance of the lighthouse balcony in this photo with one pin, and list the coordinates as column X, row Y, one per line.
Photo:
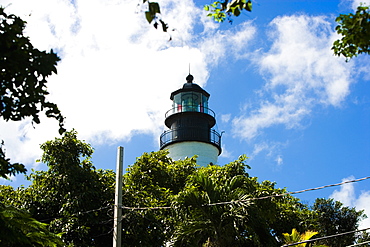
column 190, row 134
column 190, row 108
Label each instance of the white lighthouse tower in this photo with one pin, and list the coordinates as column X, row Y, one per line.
column 190, row 124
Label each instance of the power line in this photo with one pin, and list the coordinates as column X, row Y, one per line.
column 291, row 193
column 326, row 237
column 78, row 213
column 147, row 208
column 367, row 242
column 255, row 198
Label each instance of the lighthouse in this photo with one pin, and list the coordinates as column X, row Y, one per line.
column 190, row 126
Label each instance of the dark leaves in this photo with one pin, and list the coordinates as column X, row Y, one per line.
column 153, row 15
column 23, row 74
column 220, row 11
column 7, row 168
column 355, row 31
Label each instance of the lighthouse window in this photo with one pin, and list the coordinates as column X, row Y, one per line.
column 190, row 101
column 177, row 104
column 204, row 104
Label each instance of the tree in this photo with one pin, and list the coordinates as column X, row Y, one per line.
column 176, row 203
column 167, row 202
column 7, row 168
column 296, row 237
column 19, row 229
column 333, row 218
column 152, row 181
column 71, row 196
column 355, row 32
column 23, row 73
column 209, row 219
column 220, row 11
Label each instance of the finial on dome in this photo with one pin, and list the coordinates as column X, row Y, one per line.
column 189, row 78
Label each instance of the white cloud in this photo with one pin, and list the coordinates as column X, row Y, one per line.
column 270, row 149
column 225, row 153
column 301, row 73
column 347, row 195
column 363, row 203
column 116, row 72
column 225, row 118
column 351, row 5
column 279, row 160
column 8, row 181
column 357, row 3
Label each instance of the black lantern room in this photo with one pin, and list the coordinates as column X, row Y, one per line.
column 190, row 119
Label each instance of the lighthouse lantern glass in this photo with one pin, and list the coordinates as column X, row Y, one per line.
column 190, row 101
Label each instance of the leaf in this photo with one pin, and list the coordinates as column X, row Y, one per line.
column 164, row 26
column 248, row 6
column 149, row 17
column 236, row 11
column 154, row 8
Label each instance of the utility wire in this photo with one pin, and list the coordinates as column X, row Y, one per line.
column 326, row 237
column 78, row 213
column 255, row 198
column 291, row 193
column 147, row 208
column 367, row 242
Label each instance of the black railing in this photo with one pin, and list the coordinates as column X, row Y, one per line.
column 190, row 134
column 190, row 108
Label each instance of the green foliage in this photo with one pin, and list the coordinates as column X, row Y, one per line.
column 23, row 74
column 355, row 32
column 291, row 213
column 206, row 217
column 220, row 11
column 296, row 237
column 214, row 225
column 72, row 196
column 333, row 218
column 153, row 15
column 63, row 155
column 19, row 229
column 170, row 202
column 364, row 237
column 7, row 168
column 198, row 212
column 152, row 181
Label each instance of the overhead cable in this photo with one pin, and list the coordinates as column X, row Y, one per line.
column 78, row 213
column 255, row 198
column 291, row 193
column 326, row 237
column 367, row 242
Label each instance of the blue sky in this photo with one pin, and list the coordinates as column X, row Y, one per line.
column 301, row 114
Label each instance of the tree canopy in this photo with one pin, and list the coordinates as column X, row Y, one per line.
column 23, row 73
column 180, row 204
column 355, row 32
column 19, row 229
column 24, row 70
column 72, row 197
column 168, row 202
